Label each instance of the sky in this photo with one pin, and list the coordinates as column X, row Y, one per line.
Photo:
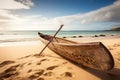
column 50, row 14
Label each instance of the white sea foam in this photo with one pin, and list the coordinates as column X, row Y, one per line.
column 25, row 36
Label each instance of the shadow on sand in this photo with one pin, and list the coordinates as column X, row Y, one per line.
column 113, row 74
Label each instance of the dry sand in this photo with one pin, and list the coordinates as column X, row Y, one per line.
column 19, row 62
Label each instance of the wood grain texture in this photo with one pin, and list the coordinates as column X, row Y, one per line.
column 94, row 55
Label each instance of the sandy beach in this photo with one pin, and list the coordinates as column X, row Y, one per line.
column 21, row 62
column 91, row 50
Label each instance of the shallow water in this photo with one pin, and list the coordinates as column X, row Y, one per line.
column 22, row 36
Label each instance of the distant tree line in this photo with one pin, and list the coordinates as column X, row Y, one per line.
column 116, row 29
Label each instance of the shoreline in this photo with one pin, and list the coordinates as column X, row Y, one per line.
column 26, row 41
column 31, row 47
column 21, row 62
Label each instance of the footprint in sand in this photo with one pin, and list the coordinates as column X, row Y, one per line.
column 21, row 65
column 67, row 74
column 29, row 63
column 12, row 71
column 116, row 45
column 33, row 77
column 48, row 73
column 40, row 72
column 39, row 63
column 29, row 71
column 51, row 67
column 38, row 56
column 6, row 63
column 37, row 74
column 40, row 78
column 65, row 62
column 43, row 60
column 24, row 57
column 118, row 59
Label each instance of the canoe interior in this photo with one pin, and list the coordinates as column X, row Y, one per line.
column 94, row 55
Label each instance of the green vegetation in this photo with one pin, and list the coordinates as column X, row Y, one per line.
column 116, row 29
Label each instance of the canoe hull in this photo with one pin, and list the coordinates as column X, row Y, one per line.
column 94, row 55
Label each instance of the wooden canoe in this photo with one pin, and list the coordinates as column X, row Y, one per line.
column 94, row 54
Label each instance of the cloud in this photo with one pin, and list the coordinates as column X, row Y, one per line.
column 6, row 7
column 12, row 4
column 10, row 21
column 32, row 22
column 26, row 2
column 109, row 13
column 5, row 15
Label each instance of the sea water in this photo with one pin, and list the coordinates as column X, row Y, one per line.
column 22, row 36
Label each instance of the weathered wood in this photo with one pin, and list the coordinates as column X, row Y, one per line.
column 94, row 55
column 50, row 39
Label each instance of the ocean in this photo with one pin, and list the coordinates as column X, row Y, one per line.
column 22, row 36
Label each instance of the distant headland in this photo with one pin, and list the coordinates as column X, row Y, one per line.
column 115, row 29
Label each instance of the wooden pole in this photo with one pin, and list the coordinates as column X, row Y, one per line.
column 51, row 39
